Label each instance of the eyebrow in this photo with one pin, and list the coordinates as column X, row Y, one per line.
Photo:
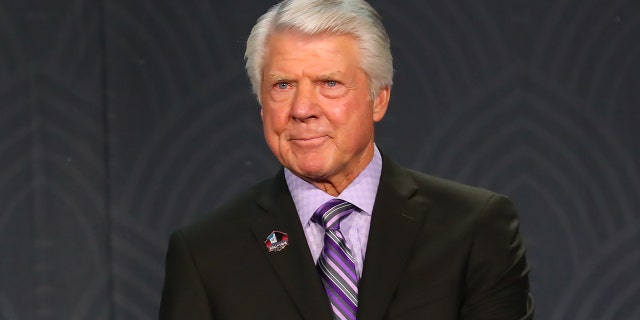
column 276, row 76
column 331, row 75
column 328, row 75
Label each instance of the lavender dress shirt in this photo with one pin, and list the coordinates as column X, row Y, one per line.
column 355, row 228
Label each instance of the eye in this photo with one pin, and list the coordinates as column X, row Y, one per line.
column 333, row 89
column 282, row 85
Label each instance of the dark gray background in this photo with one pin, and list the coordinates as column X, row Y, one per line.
column 121, row 120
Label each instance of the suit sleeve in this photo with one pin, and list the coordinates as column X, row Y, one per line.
column 183, row 294
column 497, row 284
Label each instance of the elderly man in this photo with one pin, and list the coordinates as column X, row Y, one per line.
column 341, row 232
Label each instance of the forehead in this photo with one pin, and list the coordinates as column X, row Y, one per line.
column 286, row 48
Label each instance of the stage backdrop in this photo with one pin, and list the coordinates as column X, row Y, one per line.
column 122, row 120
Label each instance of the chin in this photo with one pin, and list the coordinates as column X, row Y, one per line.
column 312, row 173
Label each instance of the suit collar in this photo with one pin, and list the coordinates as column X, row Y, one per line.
column 293, row 265
column 397, row 217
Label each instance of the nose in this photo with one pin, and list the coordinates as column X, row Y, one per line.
column 305, row 104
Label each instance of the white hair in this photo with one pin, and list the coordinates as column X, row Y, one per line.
column 353, row 17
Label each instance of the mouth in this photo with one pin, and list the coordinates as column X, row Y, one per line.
column 309, row 141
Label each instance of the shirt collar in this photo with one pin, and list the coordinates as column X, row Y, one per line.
column 361, row 192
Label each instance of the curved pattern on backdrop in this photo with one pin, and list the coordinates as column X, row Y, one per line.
column 198, row 126
column 439, row 48
column 591, row 49
column 601, row 287
column 10, row 47
column 52, row 195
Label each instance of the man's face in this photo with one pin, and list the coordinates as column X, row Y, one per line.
column 316, row 111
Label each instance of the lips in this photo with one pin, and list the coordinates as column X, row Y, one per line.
column 305, row 135
column 306, row 138
column 310, row 141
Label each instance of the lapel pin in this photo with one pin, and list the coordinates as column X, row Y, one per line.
column 276, row 241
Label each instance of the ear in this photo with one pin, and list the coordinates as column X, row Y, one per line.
column 380, row 103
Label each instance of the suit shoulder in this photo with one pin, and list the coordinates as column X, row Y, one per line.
column 457, row 205
column 449, row 191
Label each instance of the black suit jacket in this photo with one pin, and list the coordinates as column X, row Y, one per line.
column 437, row 250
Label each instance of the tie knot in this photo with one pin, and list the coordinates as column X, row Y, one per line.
column 331, row 213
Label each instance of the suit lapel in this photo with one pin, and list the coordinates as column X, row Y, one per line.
column 396, row 219
column 293, row 265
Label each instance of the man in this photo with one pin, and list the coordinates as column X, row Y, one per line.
column 341, row 231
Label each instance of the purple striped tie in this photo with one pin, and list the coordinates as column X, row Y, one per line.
column 336, row 266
